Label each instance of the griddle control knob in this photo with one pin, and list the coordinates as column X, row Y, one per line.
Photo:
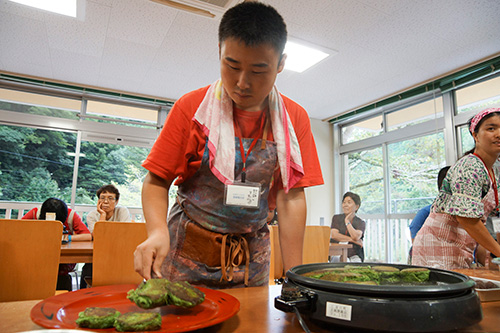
column 292, row 297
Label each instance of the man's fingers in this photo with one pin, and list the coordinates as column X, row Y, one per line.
column 158, row 260
column 142, row 263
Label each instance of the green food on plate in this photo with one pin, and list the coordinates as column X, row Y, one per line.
column 138, row 322
column 160, row 292
column 96, row 317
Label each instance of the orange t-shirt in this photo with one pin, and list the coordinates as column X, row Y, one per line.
column 178, row 151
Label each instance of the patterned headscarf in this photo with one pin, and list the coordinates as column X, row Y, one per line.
column 477, row 118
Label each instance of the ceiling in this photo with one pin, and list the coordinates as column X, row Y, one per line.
column 142, row 47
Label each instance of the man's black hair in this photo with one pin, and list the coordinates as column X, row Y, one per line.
column 54, row 205
column 254, row 23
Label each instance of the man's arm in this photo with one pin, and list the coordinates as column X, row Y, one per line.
column 150, row 254
column 291, row 208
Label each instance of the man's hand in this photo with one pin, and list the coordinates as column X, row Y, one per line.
column 149, row 255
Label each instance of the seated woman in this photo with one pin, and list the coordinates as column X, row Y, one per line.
column 349, row 228
column 107, row 210
column 456, row 224
column 74, row 230
column 107, row 207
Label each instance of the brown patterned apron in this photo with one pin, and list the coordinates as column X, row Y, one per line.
column 199, row 221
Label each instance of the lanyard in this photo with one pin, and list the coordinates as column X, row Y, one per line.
column 493, row 182
column 254, row 141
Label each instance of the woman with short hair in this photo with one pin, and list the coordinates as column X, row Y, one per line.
column 347, row 227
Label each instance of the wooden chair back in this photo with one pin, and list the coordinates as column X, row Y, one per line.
column 316, row 244
column 113, row 256
column 276, row 268
column 30, row 251
column 316, row 248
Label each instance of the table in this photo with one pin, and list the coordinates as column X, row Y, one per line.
column 257, row 312
column 76, row 252
column 337, row 248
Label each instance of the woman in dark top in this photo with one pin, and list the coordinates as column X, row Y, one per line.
column 347, row 227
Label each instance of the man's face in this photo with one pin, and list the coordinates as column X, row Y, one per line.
column 248, row 73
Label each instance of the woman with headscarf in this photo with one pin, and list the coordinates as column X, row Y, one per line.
column 456, row 224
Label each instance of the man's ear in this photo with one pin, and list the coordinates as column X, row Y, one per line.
column 281, row 65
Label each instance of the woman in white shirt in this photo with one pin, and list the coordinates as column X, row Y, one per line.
column 107, row 210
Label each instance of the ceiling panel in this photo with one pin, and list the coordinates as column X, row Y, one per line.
column 139, row 46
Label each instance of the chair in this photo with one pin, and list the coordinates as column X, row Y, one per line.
column 276, row 267
column 316, row 248
column 113, row 256
column 316, row 244
column 29, row 253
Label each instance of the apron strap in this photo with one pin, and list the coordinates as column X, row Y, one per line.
column 238, row 251
column 264, row 135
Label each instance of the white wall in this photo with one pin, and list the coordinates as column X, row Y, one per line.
column 320, row 198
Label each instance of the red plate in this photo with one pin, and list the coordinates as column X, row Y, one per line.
column 62, row 310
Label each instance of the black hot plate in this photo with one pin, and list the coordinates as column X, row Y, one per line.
column 447, row 302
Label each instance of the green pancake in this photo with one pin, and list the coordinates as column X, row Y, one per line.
column 415, row 274
column 183, row 294
column 138, row 322
column 95, row 317
column 160, row 292
column 388, row 274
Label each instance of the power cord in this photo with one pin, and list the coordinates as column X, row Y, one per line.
column 301, row 321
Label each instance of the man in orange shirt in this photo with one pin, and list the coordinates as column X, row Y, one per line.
column 237, row 149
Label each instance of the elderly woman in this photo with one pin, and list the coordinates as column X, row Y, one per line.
column 107, row 210
column 456, row 224
column 107, row 207
column 347, row 227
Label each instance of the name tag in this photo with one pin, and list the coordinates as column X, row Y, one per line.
column 243, row 195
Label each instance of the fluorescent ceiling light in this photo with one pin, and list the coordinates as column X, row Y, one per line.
column 301, row 57
column 64, row 7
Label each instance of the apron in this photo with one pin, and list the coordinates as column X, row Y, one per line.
column 200, row 202
column 443, row 243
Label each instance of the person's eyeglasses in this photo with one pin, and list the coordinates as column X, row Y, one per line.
column 109, row 199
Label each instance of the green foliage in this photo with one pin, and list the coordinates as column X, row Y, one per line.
column 413, row 168
column 35, row 164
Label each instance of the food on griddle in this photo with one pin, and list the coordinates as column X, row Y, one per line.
column 388, row 274
column 319, row 273
column 159, row 292
column 480, row 284
column 376, row 275
column 138, row 321
column 370, row 283
column 96, row 317
column 415, row 274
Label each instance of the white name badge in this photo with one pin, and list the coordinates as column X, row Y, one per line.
column 243, row 194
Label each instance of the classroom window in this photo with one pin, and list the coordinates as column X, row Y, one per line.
column 479, row 96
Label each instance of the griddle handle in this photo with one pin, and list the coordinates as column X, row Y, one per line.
column 305, row 303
